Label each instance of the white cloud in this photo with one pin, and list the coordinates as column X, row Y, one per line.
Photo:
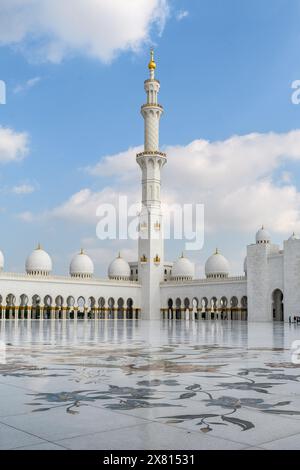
column 52, row 29
column 122, row 166
column 239, row 180
column 23, row 189
column 235, row 179
column 32, row 82
column 181, row 15
column 26, row 216
column 82, row 206
column 13, row 146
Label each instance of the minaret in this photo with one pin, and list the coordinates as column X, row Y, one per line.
column 151, row 161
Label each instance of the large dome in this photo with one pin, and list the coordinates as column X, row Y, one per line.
column 81, row 266
column 217, row 266
column 38, row 263
column 1, row 261
column 119, row 269
column 294, row 236
column 183, row 269
column 263, row 236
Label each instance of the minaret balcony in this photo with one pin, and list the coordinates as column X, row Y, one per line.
column 152, row 105
column 152, row 80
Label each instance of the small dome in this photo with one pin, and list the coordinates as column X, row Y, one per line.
column 119, row 269
column 81, row 265
column 294, row 236
column 217, row 266
column 263, row 236
column 1, row 261
column 245, row 265
column 38, row 263
column 183, row 269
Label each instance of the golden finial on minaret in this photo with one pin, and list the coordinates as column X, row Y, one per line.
column 152, row 64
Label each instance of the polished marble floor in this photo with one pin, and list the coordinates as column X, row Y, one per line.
column 140, row 385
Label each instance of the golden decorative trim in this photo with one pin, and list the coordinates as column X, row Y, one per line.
column 156, row 259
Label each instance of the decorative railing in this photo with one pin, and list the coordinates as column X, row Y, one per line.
column 207, row 281
column 159, row 154
column 152, row 105
column 91, row 280
column 151, row 80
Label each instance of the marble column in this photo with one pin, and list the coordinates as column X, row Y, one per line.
column 64, row 312
column 52, row 314
column 75, row 313
column 85, row 313
column 42, row 312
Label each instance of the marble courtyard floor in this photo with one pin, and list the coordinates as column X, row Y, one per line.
column 140, row 385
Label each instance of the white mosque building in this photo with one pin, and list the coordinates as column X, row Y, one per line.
column 152, row 288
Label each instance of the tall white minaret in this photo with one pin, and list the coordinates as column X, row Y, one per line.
column 151, row 161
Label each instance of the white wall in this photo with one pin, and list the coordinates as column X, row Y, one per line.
column 232, row 287
column 258, row 283
column 65, row 287
column 291, row 278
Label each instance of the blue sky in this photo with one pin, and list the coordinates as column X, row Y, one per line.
column 226, row 69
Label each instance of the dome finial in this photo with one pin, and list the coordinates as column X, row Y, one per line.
column 152, row 64
column 217, row 251
column 81, row 251
column 39, row 246
column 182, row 254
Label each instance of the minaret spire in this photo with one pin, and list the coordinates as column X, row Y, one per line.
column 152, row 65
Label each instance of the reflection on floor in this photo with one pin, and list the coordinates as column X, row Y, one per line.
column 140, row 385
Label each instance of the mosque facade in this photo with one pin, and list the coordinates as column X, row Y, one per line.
column 152, row 288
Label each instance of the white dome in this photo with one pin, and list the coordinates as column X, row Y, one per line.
column 119, row 269
column 1, row 261
column 245, row 265
column 39, row 262
column 263, row 236
column 293, row 237
column 217, row 266
column 183, row 269
column 81, row 265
